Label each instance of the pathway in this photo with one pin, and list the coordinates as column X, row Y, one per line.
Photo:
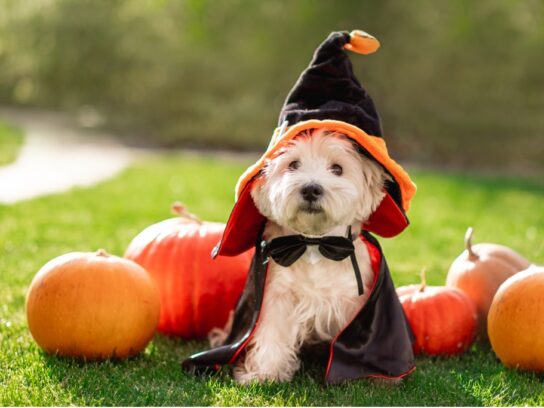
column 57, row 155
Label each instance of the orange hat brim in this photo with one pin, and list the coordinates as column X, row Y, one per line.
column 375, row 146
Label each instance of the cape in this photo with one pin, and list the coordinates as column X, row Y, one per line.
column 376, row 343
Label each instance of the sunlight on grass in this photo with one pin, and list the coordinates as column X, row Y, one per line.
column 111, row 214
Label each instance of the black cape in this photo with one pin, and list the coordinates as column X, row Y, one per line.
column 376, row 343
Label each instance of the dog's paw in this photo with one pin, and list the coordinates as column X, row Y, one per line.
column 218, row 336
column 244, row 377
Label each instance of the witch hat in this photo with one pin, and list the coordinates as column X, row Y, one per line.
column 328, row 88
column 327, row 96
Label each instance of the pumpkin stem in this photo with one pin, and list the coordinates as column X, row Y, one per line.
column 179, row 209
column 423, row 276
column 468, row 245
column 102, row 252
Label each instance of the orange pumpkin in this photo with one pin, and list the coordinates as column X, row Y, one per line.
column 480, row 270
column 516, row 320
column 92, row 305
column 443, row 319
column 196, row 292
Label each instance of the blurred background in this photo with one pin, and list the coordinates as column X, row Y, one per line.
column 459, row 84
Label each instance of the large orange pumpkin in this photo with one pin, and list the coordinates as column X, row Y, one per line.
column 480, row 270
column 197, row 293
column 92, row 305
column 516, row 320
column 443, row 319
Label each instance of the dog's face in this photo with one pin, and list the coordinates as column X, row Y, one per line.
column 318, row 182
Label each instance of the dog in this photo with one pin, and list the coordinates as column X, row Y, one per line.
column 320, row 184
column 325, row 184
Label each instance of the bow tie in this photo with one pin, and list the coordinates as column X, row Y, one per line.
column 286, row 250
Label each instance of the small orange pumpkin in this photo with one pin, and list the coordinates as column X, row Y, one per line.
column 443, row 319
column 196, row 292
column 516, row 320
column 92, row 305
column 480, row 270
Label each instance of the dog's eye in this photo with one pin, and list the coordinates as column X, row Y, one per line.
column 295, row 164
column 337, row 170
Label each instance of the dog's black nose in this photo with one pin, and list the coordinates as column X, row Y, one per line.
column 311, row 192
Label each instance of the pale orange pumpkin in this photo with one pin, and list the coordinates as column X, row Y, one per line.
column 480, row 270
column 92, row 305
column 443, row 319
column 196, row 292
column 516, row 320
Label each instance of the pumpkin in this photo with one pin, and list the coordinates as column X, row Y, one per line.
column 516, row 320
column 92, row 305
column 480, row 270
column 443, row 319
column 196, row 292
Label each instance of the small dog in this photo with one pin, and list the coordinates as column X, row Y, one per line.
column 320, row 184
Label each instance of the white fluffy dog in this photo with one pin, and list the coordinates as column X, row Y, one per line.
column 318, row 185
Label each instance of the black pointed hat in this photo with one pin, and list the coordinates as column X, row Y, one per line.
column 327, row 96
column 328, row 88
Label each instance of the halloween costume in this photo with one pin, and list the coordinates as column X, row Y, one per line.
column 378, row 341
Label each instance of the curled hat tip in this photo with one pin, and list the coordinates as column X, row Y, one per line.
column 362, row 42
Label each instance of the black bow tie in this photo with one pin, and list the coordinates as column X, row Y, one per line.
column 287, row 249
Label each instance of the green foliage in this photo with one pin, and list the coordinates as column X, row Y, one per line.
column 11, row 140
column 111, row 214
column 457, row 82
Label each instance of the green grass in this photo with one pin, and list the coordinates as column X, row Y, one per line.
column 110, row 214
column 11, row 140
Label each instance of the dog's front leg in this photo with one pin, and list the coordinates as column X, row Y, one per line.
column 272, row 351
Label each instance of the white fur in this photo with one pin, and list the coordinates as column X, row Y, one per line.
column 350, row 197
column 313, row 299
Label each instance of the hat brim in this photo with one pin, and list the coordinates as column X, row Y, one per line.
column 375, row 146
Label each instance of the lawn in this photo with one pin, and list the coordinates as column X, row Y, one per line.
column 110, row 214
column 11, row 140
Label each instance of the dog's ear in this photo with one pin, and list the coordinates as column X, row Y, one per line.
column 387, row 178
column 259, row 192
column 373, row 187
column 258, row 182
